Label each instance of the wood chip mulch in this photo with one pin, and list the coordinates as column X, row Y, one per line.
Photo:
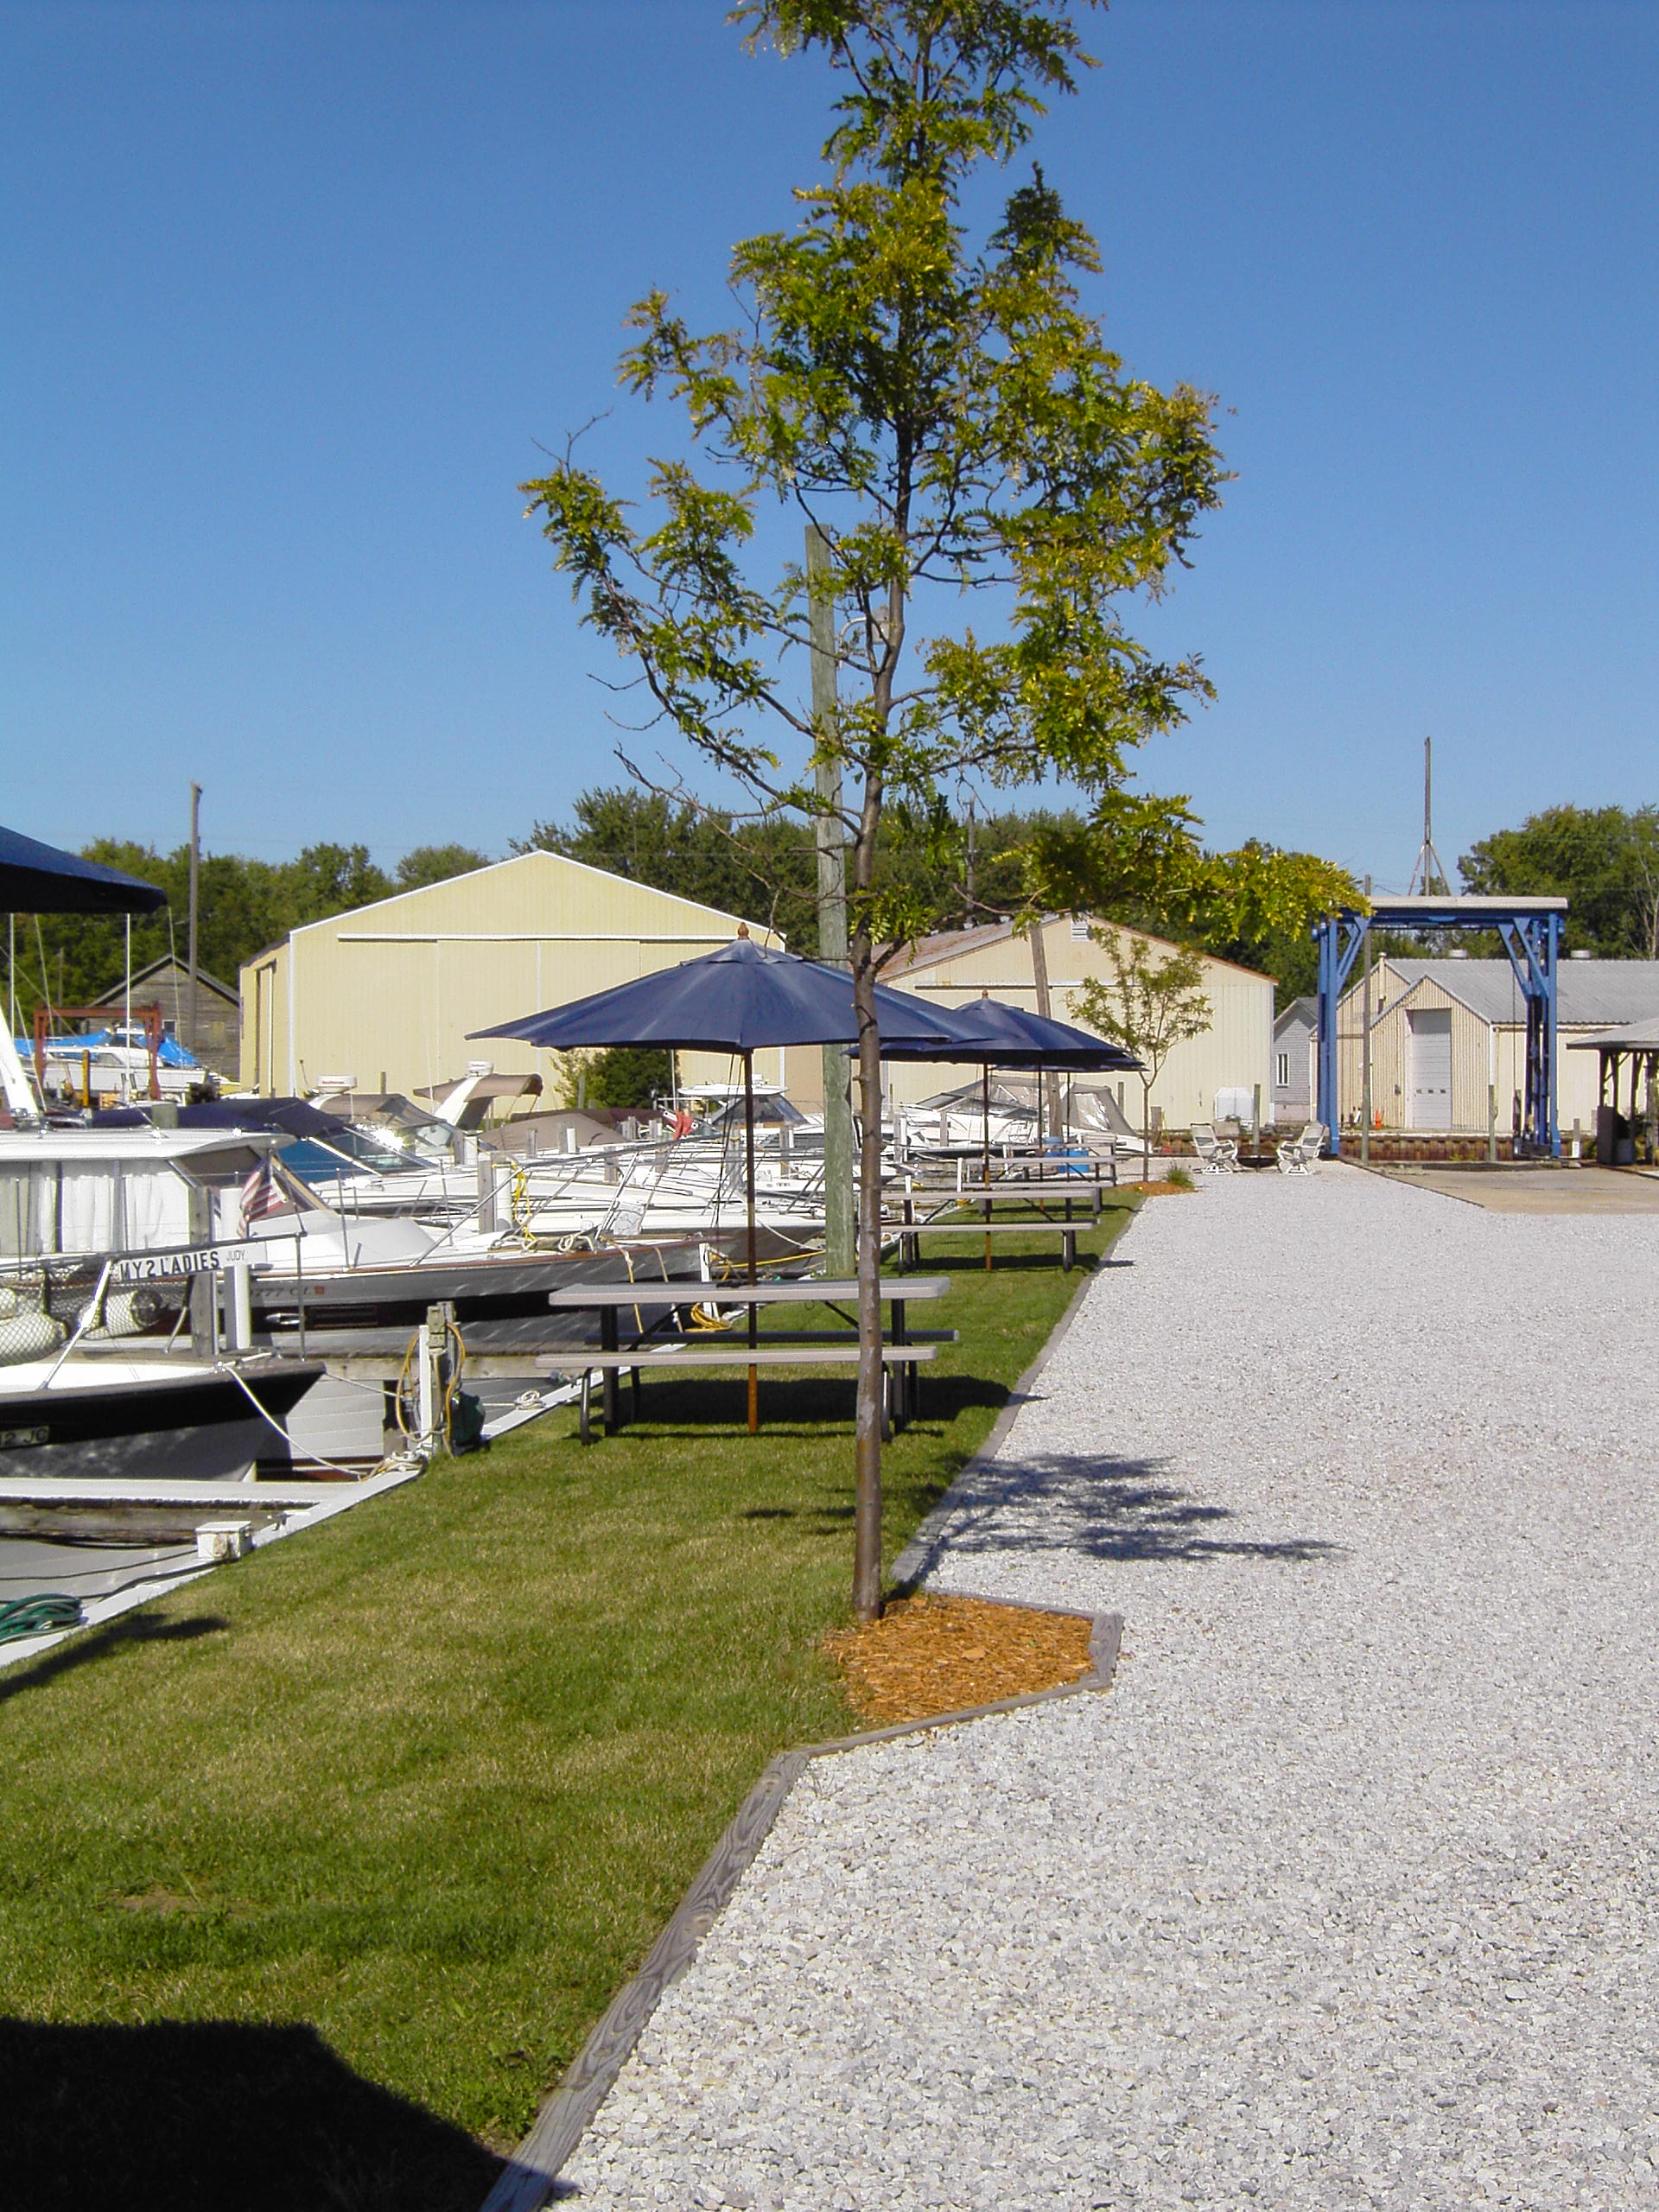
column 928, row 1655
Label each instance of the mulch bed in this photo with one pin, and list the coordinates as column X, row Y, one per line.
column 929, row 1655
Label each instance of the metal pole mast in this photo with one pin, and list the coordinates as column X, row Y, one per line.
column 838, row 1221
column 195, row 866
column 1430, row 867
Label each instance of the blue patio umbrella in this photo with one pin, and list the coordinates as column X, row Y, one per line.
column 990, row 1034
column 741, row 998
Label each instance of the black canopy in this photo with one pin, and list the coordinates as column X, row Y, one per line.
column 36, row 879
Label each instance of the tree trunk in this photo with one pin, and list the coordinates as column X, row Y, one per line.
column 1145, row 1130
column 867, row 1499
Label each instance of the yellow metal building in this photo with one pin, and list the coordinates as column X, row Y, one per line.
column 1449, row 1040
column 386, row 995
column 1234, row 1052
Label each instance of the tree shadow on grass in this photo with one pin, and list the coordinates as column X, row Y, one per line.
column 1100, row 1509
column 217, row 2114
column 138, row 1627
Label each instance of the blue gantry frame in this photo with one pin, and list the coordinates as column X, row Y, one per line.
column 1531, row 930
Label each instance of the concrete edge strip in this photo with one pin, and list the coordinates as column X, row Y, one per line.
column 97, row 1612
column 1398, row 1183
column 531, row 2177
column 920, row 1554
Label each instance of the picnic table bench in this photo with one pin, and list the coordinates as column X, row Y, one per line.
column 685, row 1350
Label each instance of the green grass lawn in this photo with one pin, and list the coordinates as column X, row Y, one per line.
column 386, row 1813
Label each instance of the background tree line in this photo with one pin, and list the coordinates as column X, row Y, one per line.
column 1137, row 861
column 242, row 906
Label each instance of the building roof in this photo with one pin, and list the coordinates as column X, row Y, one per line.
column 946, row 945
column 1628, row 1037
column 1590, row 993
column 497, row 875
column 1303, row 1009
column 166, row 964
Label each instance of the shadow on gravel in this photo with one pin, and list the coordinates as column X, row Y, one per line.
column 1102, row 1509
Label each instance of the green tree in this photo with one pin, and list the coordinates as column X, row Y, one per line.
column 1148, row 1007
column 619, row 1076
column 1604, row 861
column 951, row 417
column 330, row 880
column 1137, row 860
column 1257, row 905
column 766, row 868
column 435, row 864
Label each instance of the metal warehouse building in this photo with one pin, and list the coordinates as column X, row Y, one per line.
column 386, row 993
column 1234, row 1052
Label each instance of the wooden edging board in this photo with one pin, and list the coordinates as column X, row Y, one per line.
column 531, row 2176
column 529, row 2179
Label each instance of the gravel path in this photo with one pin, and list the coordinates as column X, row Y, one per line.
column 1345, row 1895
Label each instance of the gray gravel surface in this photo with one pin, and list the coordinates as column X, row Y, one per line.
column 1345, row 1895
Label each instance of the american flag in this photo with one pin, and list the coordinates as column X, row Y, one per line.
column 262, row 1194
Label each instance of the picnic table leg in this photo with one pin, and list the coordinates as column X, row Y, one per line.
column 607, row 1384
column 585, row 1424
column 1068, row 1242
column 636, row 1378
column 901, row 1379
column 754, row 1372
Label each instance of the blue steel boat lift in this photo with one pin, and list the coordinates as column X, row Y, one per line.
column 1531, row 930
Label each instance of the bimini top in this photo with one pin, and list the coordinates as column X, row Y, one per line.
column 36, row 879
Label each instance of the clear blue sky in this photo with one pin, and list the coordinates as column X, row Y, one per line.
column 291, row 292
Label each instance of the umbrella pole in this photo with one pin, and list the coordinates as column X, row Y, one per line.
column 748, row 1147
column 985, row 1172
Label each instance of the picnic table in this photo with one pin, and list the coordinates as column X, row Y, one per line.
column 680, row 1350
column 1040, row 1192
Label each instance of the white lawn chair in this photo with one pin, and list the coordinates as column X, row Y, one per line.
column 1217, row 1155
column 1301, row 1156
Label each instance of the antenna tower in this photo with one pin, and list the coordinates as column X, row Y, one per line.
column 1429, row 875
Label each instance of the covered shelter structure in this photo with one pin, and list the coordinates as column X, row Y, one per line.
column 37, row 878
column 1637, row 1045
column 1530, row 930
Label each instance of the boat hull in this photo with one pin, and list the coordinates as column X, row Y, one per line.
column 197, row 1426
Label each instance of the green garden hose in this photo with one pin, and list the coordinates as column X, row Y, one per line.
column 37, row 1616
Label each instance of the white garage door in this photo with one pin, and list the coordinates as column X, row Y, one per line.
column 1428, row 1068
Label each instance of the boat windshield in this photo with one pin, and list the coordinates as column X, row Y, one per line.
column 347, row 1150
column 423, row 1139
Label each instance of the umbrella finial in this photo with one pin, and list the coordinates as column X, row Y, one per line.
column 742, row 929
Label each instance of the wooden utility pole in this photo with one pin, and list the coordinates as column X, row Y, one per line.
column 838, row 1236
column 973, row 887
column 195, row 867
column 1050, row 1083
